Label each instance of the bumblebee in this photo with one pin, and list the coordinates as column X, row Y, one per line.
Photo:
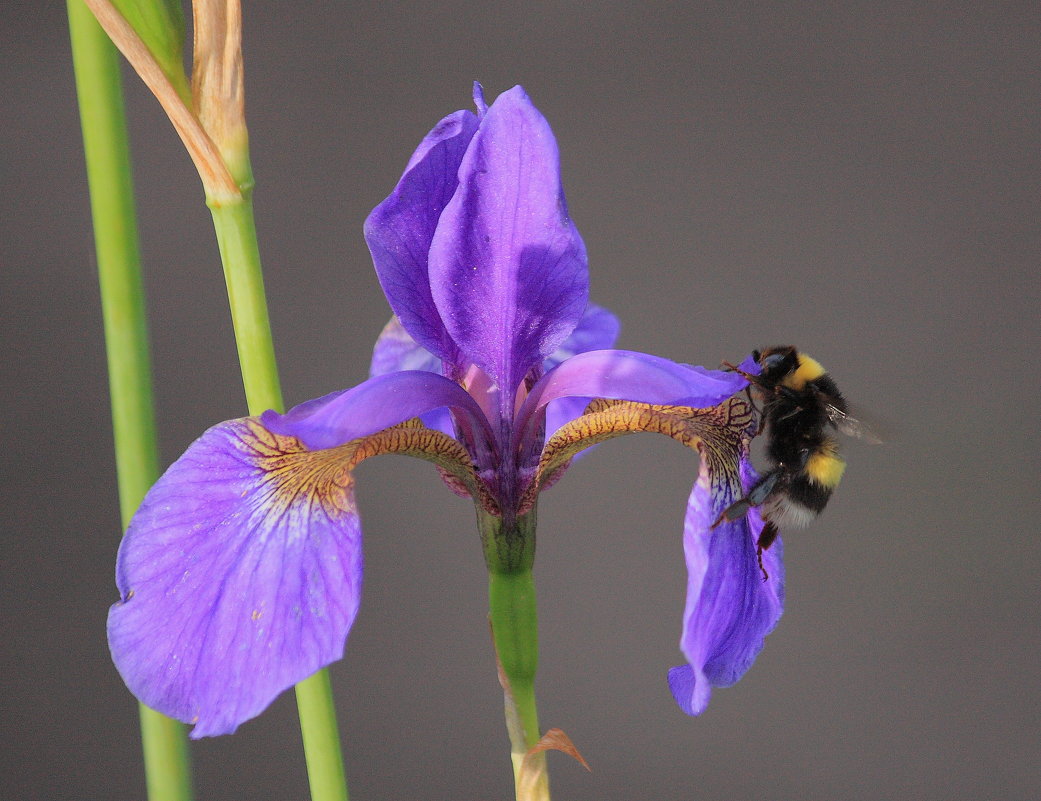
column 800, row 404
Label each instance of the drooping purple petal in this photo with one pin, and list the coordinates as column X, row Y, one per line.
column 399, row 230
column 507, row 266
column 597, row 330
column 729, row 609
column 240, row 575
column 628, row 375
column 394, row 351
column 373, row 405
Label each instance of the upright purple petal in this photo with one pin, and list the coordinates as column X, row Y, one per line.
column 395, row 351
column 399, row 230
column 597, row 330
column 729, row 609
column 240, row 576
column 507, row 265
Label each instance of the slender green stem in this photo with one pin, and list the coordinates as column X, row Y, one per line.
column 321, row 736
column 237, row 239
column 99, row 87
column 167, row 761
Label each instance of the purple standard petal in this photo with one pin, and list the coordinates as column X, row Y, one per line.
column 399, row 230
column 372, row 406
column 729, row 609
column 395, row 350
column 507, row 266
column 597, row 330
column 627, row 375
column 240, row 575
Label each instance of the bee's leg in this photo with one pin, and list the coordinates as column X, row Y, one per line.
column 733, row 368
column 756, row 409
column 766, row 539
column 760, row 492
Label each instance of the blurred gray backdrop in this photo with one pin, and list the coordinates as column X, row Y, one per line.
column 858, row 179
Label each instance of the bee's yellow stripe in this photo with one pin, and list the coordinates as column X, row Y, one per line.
column 825, row 467
column 808, row 369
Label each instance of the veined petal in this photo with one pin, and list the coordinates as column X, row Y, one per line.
column 597, row 330
column 373, row 405
column 729, row 609
column 629, row 375
column 240, row 575
column 399, row 230
column 507, row 266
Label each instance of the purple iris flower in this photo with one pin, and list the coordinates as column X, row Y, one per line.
column 241, row 573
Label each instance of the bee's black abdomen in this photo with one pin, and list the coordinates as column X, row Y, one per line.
column 807, row 493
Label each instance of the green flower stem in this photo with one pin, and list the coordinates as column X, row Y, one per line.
column 321, row 736
column 168, row 773
column 237, row 239
column 511, row 604
column 509, row 553
column 99, row 87
column 514, row 620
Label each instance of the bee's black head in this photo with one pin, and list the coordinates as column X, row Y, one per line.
column 776, row 362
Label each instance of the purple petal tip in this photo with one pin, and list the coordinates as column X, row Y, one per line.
column 482, row 106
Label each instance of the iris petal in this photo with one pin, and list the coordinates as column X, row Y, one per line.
column 597, row 330
column 399, row 230
column 240, row 575
column 729, row 609
column 373, row 405
column 395, row 350
column 628, row 375
column 507, row 266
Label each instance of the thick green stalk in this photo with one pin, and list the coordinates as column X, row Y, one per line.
column 99, row 87
column 237, row 239
column 514, row 619
column 509, row 549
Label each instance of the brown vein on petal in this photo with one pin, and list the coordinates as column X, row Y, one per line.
column 291, row 471
column 719, row 433
column 412, row 438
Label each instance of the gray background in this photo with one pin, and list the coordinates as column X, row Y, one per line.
column 862, row 182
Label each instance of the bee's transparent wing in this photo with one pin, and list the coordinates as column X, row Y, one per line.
column 851, row 426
